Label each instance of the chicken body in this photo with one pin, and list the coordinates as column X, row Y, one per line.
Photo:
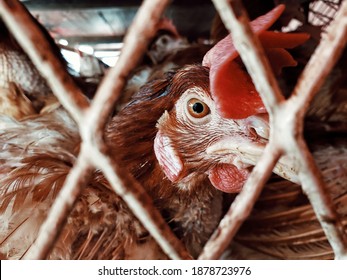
column 18, row 76
column 17, row 68
column 24, row 91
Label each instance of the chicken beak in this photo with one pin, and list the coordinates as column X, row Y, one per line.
column 244, row 152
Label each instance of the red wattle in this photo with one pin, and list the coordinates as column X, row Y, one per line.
column 228, row 178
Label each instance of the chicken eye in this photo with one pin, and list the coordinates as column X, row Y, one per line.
column 197, row 108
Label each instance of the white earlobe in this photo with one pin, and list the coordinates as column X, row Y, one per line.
column 167, row 156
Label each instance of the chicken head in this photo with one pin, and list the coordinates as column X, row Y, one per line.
column 219, row 125
column 194, row 124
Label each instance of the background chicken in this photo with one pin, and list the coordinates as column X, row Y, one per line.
column 23, row 90
column 167, row 51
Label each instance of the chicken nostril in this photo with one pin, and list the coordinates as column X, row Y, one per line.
column 262, row 131
column 252, row 131
column 256, row 126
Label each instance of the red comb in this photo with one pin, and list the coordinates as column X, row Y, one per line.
column 231, row 86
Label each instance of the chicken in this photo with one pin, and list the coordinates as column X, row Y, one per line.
column 23, row 90
column 37, row 153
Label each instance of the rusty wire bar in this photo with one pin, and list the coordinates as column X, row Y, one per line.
column 286, row 119
column 91, row 126
column 327, row 53
column 135, row 44
column 251, row 52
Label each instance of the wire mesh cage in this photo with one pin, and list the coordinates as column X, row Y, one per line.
column 322, row 12
column 287, row 139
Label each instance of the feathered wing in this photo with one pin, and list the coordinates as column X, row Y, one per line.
column 14, row 103
column 36, row 156
column 328, row 110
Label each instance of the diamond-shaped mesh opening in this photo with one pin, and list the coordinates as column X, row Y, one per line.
column 322, row 12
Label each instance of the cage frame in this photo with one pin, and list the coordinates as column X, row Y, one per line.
column 91, row 119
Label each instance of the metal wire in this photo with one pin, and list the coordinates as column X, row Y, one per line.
column 321, row 12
